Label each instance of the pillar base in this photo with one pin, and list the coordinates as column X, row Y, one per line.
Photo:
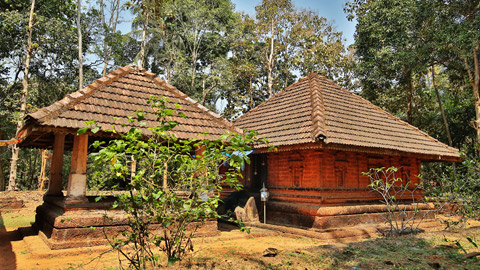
column 61, row 227
column 70, row 200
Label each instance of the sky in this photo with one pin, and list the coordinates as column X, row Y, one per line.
column 330, row 9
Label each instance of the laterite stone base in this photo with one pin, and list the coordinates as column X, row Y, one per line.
column 70, row 227
column 325, row 217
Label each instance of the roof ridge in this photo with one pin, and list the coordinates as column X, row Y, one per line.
column 216, row 117
column 398, row 119
column 70, row 100
column 318, row 116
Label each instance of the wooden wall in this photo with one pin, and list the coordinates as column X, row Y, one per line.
column 328, row 176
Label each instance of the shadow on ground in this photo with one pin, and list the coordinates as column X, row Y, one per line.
column 7, row 256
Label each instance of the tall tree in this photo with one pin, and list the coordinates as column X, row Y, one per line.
column 461, row 32
column 274, row 23
column 319, row 48
column 388, row 45
column 246, row 64
column 80, row 53
column 12, row 182
column 109, row 28
column 269, row 52
column 53, row 69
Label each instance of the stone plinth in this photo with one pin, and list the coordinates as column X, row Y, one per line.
column 87, row 224
column 325, row 217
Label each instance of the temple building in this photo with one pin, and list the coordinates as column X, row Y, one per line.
column 325, row 137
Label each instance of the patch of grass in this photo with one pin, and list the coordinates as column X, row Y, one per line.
column 10, row 221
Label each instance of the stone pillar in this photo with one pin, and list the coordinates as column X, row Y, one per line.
column 77, row 181
column 55, row 183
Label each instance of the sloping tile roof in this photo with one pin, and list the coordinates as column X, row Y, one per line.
column 315, row 109
column 121, row 93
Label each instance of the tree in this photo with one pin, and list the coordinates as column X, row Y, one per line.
column 80, row 54
column 109, row 28
column 461, row 32
column 203, row 27
column 389, row 46
column 246, row 64
column 319, row 48
column 12, row 182
column 274, row 24
column 53, row 70
column 175, row 188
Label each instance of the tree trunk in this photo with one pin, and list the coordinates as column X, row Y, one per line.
column 444, row 117
column 475, row 81
column 144, row 38
column 477, row 95
column 409, row 97
column 104, row 25
column 80, row 54
column 12, row 182
column 42, row 178
column 250, row 91
column 2, row 175
column 114, row 14
column 270, row 66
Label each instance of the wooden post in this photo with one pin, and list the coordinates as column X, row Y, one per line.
column 55, row 184
column 77, row 181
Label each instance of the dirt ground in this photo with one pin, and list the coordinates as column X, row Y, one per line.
column 20, row 248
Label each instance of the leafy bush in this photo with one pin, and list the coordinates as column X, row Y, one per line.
column 175, row 187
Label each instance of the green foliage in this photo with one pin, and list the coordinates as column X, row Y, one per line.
column 53, row 68
column 397, row 44
column 175, row 187
column 303, row 42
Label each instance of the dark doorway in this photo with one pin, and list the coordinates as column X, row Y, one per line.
column 259, row 172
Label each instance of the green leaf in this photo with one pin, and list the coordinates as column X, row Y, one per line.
column 82, row 131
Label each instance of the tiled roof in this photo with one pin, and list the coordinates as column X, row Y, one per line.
column 315, row 109
column 113, row 98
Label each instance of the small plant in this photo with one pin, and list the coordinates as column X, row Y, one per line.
column 174, row 188
column 401, row 218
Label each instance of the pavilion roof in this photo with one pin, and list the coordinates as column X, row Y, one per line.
column 316, row 111
column 113, row 98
